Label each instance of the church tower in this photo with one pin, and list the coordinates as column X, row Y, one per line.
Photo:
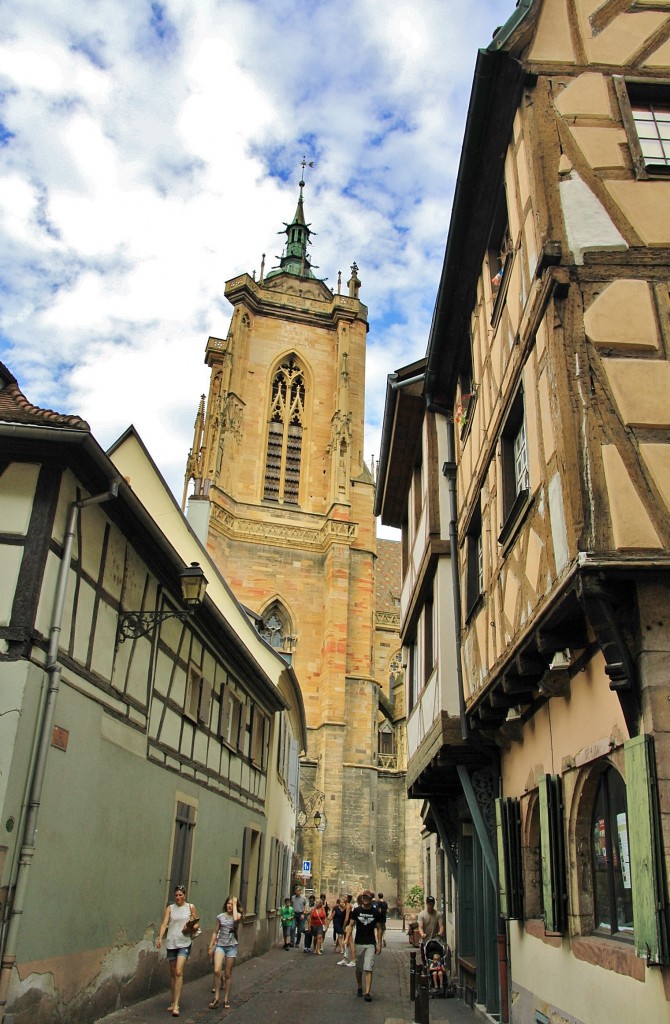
column 286, row 501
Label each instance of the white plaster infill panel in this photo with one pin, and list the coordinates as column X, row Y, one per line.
column 17, row 491
column 631, row 525
column 414, row 736
column 623, row 316
column 10, row 565
column 559, row 534
column 587, row 224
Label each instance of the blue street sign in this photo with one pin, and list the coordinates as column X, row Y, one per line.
column 306, row 867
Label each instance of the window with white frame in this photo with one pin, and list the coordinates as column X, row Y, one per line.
column 231, row 718
column 515, row 476
column 198, row 696
column 645, row 107
column 520, row 452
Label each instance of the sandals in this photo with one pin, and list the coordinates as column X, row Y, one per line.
column 226, row 1006
column 214, row 1003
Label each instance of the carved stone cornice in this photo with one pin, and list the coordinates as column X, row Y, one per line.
column 388, row 620
column 283, row 534
column 327, row 310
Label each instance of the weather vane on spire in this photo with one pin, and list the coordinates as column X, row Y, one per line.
column 304, row 163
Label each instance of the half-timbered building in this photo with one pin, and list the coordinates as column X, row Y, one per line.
column 539, row 428
column 143, row 743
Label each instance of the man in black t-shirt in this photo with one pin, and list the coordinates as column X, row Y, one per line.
column 383, row 908
column 367, row 941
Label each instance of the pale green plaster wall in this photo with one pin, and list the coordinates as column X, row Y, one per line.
column 104, row 843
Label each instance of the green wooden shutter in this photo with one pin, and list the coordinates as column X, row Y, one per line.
column 646, row 857
column 502, row 873
column 246, row 865
column 552, row 841
column 510, row 881
column 271, row 891
column 259, row 875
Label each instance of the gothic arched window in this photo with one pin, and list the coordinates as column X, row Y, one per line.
column 275, row 627
column 284, row 447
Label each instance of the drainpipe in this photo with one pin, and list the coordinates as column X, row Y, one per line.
column 396, row 384
column 35, row 781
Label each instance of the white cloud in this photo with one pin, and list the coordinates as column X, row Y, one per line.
column 148, row 152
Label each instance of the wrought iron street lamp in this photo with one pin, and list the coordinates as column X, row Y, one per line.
column 133, row 625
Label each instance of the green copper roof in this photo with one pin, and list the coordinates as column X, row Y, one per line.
column 295, row 259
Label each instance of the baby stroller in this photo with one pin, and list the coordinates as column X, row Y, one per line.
column 428, row 951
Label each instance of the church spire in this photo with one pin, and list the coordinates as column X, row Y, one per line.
column 296, row 259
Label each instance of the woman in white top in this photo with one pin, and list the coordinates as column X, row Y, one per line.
column 178, row 944
column 223, row 947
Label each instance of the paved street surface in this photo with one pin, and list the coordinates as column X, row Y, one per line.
column 298, row 988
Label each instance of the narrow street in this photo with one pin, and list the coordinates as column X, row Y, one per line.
column 297, row 987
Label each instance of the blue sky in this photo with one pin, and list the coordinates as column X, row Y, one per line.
column 149, row 151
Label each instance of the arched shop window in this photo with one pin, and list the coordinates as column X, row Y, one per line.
column 612, row 886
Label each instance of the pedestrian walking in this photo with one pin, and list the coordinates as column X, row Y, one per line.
column 430, row 922
column 178, row 941
column 366, row 920
column 287, row 915
column 383, row 908
column 308, row 923
column 299, row 904
column 223, row 948
column 337, row 915
column 318, row 923
column 349, row 958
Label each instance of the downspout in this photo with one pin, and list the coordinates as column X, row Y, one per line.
column 35, row 781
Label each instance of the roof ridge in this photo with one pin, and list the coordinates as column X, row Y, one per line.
column 12, row 397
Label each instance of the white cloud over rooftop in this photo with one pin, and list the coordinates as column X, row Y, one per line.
column 150, row 151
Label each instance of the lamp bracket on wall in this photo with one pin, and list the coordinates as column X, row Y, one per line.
column 133, row 625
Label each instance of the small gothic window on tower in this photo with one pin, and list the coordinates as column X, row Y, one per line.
column 276, row 629
column 284, row 444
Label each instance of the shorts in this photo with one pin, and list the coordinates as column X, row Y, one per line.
column 230, row 952
column 184, row 951
column 365, row 957
column 286, row 930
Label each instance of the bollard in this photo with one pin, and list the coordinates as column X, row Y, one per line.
column 422, row 1001
column 412, row 976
